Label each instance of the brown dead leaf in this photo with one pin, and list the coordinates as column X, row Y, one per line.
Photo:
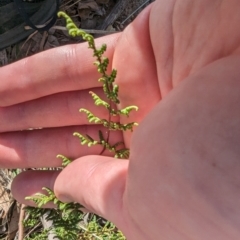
column 5, row 200
column 52, row 41
column 102, row 1
column 89, row 23
column 88, row 4
column 88, row 8
column 85, row 14
column 13, row 222
column 5, row 196
column 3, row 58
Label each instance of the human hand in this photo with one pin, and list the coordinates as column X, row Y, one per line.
column 169, row 188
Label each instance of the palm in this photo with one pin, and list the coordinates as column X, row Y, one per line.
column 50, row 96
column 142, row 84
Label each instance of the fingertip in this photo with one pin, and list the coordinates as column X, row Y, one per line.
column 97, row 183
column 28, row 183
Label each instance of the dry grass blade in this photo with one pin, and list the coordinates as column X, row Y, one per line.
column 3, row 58
column 8, row 208
column 5, row 196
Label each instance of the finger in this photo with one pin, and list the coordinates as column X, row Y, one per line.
column 39, row 148
column 97, row 182
column 56, row 110
column 139, row 84
column 66, row 68
column 28, row 183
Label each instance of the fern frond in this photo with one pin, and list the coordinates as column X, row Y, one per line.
column 98, row 101
column 118, row 144
column 85, row 139
column 65, row 160
column 115, row 90
column 74, row 31
column 99, row 52
column 118, row 126
column 112, row 94
column 127, row 110
column 122, row 153
column 112, row 76
column 102, row 79
column 100, row 134
column 41, row 199
column 91, row 117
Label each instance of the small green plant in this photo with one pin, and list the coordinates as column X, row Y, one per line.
column 67, row 219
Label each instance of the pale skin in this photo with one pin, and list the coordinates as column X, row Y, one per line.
column 179, row 62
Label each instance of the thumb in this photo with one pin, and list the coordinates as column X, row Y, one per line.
column 96, row 182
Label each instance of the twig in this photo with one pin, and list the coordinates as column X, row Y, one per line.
column 20, row 223
column 29, row 37
column 92, row 31
column 72, row 5
column 93, row 234
column 114, row 14
column 148, row 1
column 33, row 229
column 43, row 40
